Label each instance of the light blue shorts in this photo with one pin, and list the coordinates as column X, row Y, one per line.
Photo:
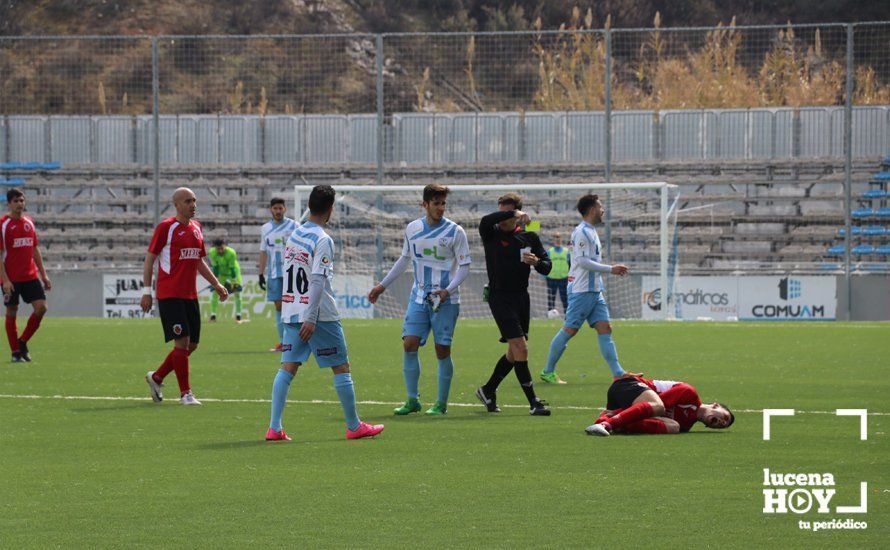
column 586, row 306
column 420, row 319
column 274, row 287
column 328, row 344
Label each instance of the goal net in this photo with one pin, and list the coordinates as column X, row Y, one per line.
column 368, row 228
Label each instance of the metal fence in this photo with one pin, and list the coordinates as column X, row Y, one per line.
column 576, row 96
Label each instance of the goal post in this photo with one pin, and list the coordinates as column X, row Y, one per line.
column 369, row 221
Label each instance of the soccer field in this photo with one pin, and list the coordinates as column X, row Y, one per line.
column 88, row 460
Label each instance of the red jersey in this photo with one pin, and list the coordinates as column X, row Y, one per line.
column 179, row 249
column 17, row 245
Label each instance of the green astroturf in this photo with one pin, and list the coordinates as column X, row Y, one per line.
column 128, row 473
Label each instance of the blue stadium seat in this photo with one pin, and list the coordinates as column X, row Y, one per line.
column 52, row 165
column 12, row 181
column 873, row 231
column 836, row 250
column 30, row 165
column 843, row 231
column 830, row 267
column 10, row 166
column 875, row 194
column 883, row 212
column 863, row 249
column 883, row 249
column 863, row 213
column 875, row 267
column 882, row 176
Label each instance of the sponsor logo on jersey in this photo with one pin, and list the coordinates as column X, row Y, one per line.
column 304, row 299
column 325, row 352
column 286, row 347
column 189, row 253
column 287, row 299
column 325, row 260
column 22, row 241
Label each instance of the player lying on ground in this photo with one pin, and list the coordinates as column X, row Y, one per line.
column 178, row 248
column 311, row 319
column 19, row 271
column 637, row 405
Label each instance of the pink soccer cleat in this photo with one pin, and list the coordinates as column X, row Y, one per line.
column 272, row 435
column 364, row 430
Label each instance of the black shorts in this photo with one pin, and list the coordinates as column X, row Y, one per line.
column 180, row 317
column 623, row 391
column 511, row 311
column 30, row 291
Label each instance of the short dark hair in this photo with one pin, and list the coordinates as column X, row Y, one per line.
column 513, row 199
column 321, row 199
column 434, row 190
column 731, row 416
column 276, row 200
column 219, row 241
column 587, row 202
column 13, row 194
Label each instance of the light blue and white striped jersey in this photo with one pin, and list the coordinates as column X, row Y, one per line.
column 309, row 251
column 273, row 239
column 436, row 252
column 585, row 244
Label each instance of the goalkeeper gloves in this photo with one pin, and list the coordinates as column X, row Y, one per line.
column 262, row 282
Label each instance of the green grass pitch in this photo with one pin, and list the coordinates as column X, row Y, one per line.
column 130, row 473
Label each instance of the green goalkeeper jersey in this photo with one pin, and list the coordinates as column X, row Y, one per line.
column 225, row 266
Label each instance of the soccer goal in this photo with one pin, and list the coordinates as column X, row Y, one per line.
column 640, row 231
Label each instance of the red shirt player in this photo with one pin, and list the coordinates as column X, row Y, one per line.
column 640, row 405
column 21, row 273
column 178, row 248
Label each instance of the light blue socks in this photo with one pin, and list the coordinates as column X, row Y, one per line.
column 446, row 372
column 280, row 387
column 411, row 369
column 280, row 326
column 557, row 346
column 610, row 354
column 346, row 392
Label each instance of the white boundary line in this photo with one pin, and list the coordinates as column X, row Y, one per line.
column 329, row 402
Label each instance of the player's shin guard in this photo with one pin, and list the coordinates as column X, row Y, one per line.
column 280, row 326
column 237, row 304
column 557, row 346
column 12, row 334
column 632, row 414
column 525, row 380
column 181, row 367
column 411, row 370
column 165, row 368
column 280, row 387
column 501, row 370
column 31, row 327
column 610, row 354
column 346, row 392
column 446, row 372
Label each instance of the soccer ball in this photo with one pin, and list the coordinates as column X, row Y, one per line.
column 553, row 314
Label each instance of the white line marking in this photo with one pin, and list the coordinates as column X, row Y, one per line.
column 329, row 402
column 863, row 423
column 769, row 413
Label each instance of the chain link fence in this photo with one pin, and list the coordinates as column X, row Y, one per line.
column 775, row 123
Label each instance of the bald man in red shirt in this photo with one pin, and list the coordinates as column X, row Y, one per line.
column 178, row 248
column 21, row 273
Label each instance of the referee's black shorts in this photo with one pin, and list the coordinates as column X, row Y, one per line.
column 29, row 291
column 180, row 317
column 511, row 312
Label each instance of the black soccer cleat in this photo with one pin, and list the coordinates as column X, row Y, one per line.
column 539, row 408
column 23, row 351
column 490, row 402
column 17, row 357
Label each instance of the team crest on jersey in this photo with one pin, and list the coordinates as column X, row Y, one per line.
column 177, row 329
column 27, row 227
column 444, row 242
column 197, row 233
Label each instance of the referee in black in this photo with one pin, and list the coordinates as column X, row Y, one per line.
column 510, row 253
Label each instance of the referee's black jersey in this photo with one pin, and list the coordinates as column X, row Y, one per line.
column 503, row 261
